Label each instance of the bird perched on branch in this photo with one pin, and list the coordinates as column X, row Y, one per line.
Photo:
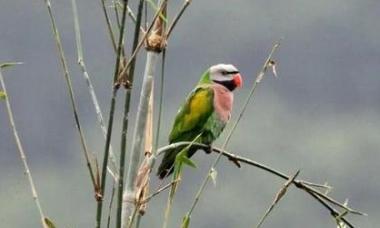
column 204, row 114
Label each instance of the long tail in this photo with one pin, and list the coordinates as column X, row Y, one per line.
column 167, row 164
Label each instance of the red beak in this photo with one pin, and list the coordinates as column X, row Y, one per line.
column 238, row 80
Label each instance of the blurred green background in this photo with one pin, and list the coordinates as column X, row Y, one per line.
column 320, row 116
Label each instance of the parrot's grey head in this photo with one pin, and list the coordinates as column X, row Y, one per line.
column 227, row 75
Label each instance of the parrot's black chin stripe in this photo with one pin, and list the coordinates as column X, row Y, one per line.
column 230, row 84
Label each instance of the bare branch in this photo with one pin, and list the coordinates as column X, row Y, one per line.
column 133, row 56
column 21, row 149
column 70, row 90
column 321, row 197
column 109, row 26
column 160, row 190
column 177, row 17
column 278, row 197
column 91, row 89
column 111, row 117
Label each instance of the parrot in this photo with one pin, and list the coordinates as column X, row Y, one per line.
column 204, row 114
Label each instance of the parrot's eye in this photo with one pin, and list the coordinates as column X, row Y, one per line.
column 224, row 72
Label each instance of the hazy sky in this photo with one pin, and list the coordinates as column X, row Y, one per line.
column 320, row 116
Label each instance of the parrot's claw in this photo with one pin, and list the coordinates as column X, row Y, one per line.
column 208, row 150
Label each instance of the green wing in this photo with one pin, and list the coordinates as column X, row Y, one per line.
column 193, row 115
column 190, row 121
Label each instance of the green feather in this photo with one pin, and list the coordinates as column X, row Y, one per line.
column 196, row 117
column 193, row 115
column 205, row 79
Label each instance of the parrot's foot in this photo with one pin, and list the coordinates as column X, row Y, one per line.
column 208, row 150
column 235, row 161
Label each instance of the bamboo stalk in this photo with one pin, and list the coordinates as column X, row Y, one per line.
column 70, row 91
column 90, row 86
column 138, row 134
column 111, row 117
column 154, row 47
column 109, row 26
column 160, row 102
column 131, row 69
column 142, row 41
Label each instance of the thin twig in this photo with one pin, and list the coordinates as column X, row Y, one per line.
column 109, row 26
column 133, row 56
column 130, row 14
column 21, row 149
column 90, row 86
column 117, row 16
column 241, row 113
column 324, row 186
column 70, row 91
column 132, row 219
column 138, row 220
column 298, row 183
column 159, row 191
column 120, row 217
column 177, row 17
column 147, row 199
column 330, row 200
column 111, row 117
column 111, row 202
column 334, row 213
column 160, row 102
column 278, row 197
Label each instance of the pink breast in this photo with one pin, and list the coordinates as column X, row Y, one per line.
column 223, row 99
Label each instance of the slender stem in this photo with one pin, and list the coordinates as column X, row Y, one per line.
column 109, row 26
column 111, row 202
column 117, row 16
column 130, row 14
column 334, row 213
column 22, row 153
column 138, row 47
column 111, row 117
column 277, row 198
column 298, row 183
column 90, row 86
column 132, row 219
column 257, row 81
column 105, row 158
column 122, row 161
column 177, row 17
column 138, row 220
column 159, row 191
column 70, row 91
column 119, row 217
column 160, row 102
column 176, row 176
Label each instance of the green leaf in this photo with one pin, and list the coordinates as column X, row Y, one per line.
column 182, row 158
column 49, row 223
column 213, row 174
column 178, row 163
column 186, row 222
column 9, row 64
column 2, row 95
column 185, row 160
